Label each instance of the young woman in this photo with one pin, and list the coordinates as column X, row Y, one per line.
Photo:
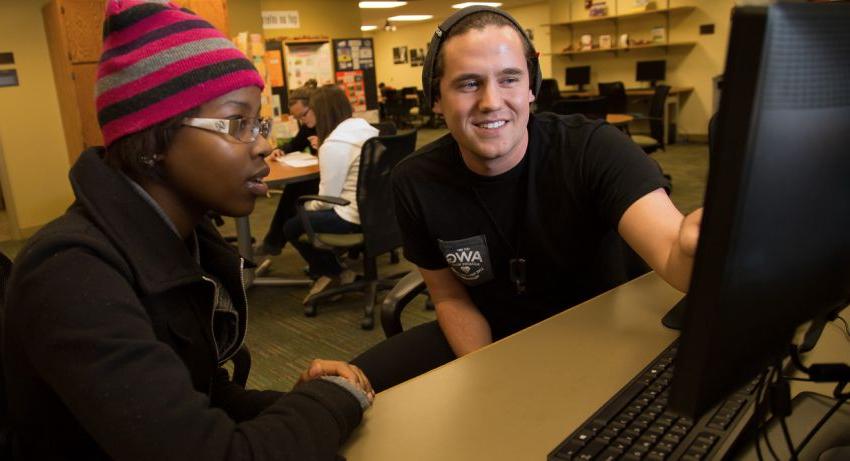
column 299, row 100
column 340, row 136
column 121, row 312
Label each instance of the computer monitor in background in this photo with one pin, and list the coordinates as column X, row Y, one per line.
column 651, row 71
column 578, row 76
column 774, row 246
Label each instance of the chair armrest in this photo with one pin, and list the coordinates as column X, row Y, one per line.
column 397, row 299
column 323, row 198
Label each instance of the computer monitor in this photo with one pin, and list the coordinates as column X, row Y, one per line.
column 651, row 71
column 774, row 245
column 578, row 76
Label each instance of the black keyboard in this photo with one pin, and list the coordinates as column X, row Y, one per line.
column 636, row 425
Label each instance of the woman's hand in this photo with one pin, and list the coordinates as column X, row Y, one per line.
column 352, row 373
column 314, row 142
column 276, row 153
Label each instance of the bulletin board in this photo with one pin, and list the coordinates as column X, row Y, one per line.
column 306, row 60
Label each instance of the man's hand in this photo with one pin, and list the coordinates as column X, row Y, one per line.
column 352, row 373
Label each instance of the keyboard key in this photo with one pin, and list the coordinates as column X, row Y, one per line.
column 569, row 451
column 610, row 454
column 613, row 407
column 656, row 455
column 592, row 449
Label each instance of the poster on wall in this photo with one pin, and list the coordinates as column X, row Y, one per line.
column 400, row 55
column 354, row 54
column 306, row 60
column 281, row 19
column 352, row 82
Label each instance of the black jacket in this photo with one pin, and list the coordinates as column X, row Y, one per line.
column 109, row 350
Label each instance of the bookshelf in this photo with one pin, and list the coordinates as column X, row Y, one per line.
column 623, row 22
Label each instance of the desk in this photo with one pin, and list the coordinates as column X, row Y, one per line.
column 518, row 398
column 618, row 119
column 671, row 106
column 280, row 175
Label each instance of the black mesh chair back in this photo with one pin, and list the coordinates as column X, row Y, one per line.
column 385, row 128
column 615, row 94
column 592, row 108
column 374, row 192
column 549, row 94
column 656, row 113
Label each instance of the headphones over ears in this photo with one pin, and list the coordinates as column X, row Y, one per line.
column 535, row 77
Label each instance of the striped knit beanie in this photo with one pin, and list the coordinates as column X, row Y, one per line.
column 159, row 61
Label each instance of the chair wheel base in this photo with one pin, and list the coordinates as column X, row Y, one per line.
column 310, row 310
column 367, row 323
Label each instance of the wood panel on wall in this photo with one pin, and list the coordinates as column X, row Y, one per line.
column 74, row 32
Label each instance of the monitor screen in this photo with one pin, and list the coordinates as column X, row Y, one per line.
column 650, row 71
column 578, row 75
column 774, row 246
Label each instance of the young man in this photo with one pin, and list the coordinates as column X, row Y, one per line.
column 299, row 108
column 511, row 217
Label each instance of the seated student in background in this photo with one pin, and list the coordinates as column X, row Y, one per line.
column 305, row 140
column 511, row 216
column 121, row 313
column 340, row 138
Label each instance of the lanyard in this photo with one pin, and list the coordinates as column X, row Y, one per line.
column 518, row 262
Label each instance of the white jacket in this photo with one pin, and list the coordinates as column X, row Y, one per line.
column 339, row 164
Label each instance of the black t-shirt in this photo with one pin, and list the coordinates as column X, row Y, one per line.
column 558, row 209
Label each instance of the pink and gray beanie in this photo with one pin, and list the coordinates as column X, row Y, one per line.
column 159, row 61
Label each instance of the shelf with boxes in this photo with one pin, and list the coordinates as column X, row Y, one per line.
column 618, row 38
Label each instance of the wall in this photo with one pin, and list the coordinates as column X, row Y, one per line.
column 694, row 66
column 419, row 34
column 244, row 15
column 330, row 18
column 33, row 160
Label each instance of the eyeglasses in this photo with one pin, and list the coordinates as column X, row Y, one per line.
column 301, row 116
column 242, row 129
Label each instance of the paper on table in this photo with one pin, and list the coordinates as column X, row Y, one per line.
column 298, row 159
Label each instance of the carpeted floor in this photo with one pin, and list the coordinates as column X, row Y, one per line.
column 283, row 340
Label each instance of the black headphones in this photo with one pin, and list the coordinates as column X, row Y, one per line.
column 535, row 76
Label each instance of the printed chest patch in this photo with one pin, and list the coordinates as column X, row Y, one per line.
column 468, row 258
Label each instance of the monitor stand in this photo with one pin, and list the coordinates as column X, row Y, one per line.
column 675, row 317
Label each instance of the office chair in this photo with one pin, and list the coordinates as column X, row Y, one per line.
column 549, row 94
column 379, row 234
column 592, row 108
column 655, row 141
column 615, row 94
column 385, row 128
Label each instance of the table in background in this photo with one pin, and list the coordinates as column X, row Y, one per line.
column 671, row 106
column 619, row 120
column 518, row 398
column 280, row 175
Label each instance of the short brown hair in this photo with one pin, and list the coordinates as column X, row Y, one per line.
column 331, row 107
column 479, row 21
column 128, row 153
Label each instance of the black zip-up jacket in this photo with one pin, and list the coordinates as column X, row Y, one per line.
column 109, row 350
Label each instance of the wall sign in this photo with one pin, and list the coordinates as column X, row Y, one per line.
column 7, row 58
column 281, row 19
